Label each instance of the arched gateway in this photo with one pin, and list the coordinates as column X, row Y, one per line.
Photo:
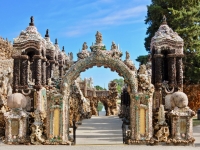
column 140, row 111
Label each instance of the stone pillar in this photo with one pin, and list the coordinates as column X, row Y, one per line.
column 158, row 70
column 60, row 71
column 48, row 72
column 16, row 73
column 133, row 109
column 179, row 71
column 85, row 87
column 24, row 70
column 52, row 65
column 44, row 71
column 153, row 71
column 158, row 79
column 38, row 71
column 171, row 69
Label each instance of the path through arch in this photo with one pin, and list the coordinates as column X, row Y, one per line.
column 100, row 130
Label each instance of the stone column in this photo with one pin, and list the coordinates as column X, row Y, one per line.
column 60, row 71
column 158, row 79
column 171, row 69
column 85, row 87
column 179, row 71
column 38, row 71
column 24, row 70
column 16, row 73
column 48, row 72
column 158, row 70
column 133, row 124
column 52, row 65
column 44, row 71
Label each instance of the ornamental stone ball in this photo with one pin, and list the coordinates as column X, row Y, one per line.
column 16, row 100
column 179, row 99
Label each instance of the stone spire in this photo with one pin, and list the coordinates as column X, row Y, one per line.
column 47, row 33
column 32, row 21
column 56, row 41
column 63, row 49
column 99, row 38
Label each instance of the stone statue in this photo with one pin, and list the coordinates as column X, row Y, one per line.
column 6, row 83
column 143, row 70
column 113, row 46
column 164, row 19
column 127, row 55
column 98, row 37
column 84, row 46
column 90, row 82
column 144, row 82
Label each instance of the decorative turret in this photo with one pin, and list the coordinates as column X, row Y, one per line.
column 56, row 41
column 47, row 33
column 167, row 53
column 32, row 21
column 29, row 50
column 98, row 45
column 49, row 45
column 166, row 38
column 63, row 49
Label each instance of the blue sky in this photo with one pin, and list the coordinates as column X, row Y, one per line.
column 76, row 21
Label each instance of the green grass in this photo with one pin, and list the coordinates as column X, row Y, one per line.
column 100, row 106
column 196, row 122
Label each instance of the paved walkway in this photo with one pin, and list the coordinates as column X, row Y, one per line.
column 100, row 130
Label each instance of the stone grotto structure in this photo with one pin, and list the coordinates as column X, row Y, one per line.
column 41, row 94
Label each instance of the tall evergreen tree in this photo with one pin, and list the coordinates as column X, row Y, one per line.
column 142, row 59
column 183, row 16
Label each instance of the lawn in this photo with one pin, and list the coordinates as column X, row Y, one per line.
column 196, row 122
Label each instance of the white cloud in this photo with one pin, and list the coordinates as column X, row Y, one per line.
column 73, row 33
column 114, row 18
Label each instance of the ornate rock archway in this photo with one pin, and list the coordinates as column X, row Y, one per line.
column 101, row 58
column 140, row 96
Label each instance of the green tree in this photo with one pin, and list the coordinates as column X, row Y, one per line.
column 142, row 59
column 183, row 16
column 120, row 84
column 97, row 87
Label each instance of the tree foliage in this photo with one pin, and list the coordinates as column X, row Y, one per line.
column 183, row 16
column 120, row 84
column 97, row 87
column 142, row 59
